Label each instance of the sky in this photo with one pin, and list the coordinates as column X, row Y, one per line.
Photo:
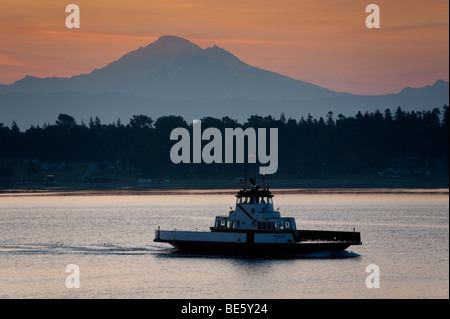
column 325, row 42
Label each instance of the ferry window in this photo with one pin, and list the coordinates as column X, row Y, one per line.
column 228, row 224
column 287, row 225
column 269, row 200
column 281, row 225
column 262, row 200
column 222, row 223
column 264, row 225
column 217, row 224
column 269, row 225
column 259, row 225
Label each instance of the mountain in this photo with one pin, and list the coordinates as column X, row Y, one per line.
column 174, row 76
column 173, row 67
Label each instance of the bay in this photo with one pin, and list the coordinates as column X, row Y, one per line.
column 110, row 238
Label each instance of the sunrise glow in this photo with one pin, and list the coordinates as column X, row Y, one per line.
column 323, row 42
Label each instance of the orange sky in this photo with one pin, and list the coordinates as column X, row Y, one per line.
column 324, row 42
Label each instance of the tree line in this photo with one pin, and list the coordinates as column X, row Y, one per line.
column 308, row 147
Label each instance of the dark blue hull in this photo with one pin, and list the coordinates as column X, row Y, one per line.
column 260, row 249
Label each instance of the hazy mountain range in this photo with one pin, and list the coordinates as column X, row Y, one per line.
column 174, row 76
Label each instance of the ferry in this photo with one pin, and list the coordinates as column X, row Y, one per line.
column 254, row 227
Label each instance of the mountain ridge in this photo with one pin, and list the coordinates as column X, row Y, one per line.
column 174, row 62
column 174, row 75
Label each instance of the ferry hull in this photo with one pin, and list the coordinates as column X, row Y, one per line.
column 257, row 249
column 242, row 243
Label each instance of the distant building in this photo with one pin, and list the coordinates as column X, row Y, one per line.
column 97, row 178
column 19, row 160
column 49, row 180
column 145, row 181
column 52, row 165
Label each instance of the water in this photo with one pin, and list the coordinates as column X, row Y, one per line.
column 110, row 239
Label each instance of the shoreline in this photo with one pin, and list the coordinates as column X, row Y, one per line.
column 199, row 191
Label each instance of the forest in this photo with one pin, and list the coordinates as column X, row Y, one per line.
column 378, row 143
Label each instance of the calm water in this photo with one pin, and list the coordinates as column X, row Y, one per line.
column 110, row 239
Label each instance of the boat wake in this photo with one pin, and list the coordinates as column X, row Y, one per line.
column 157, row 250
column 62, row 249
